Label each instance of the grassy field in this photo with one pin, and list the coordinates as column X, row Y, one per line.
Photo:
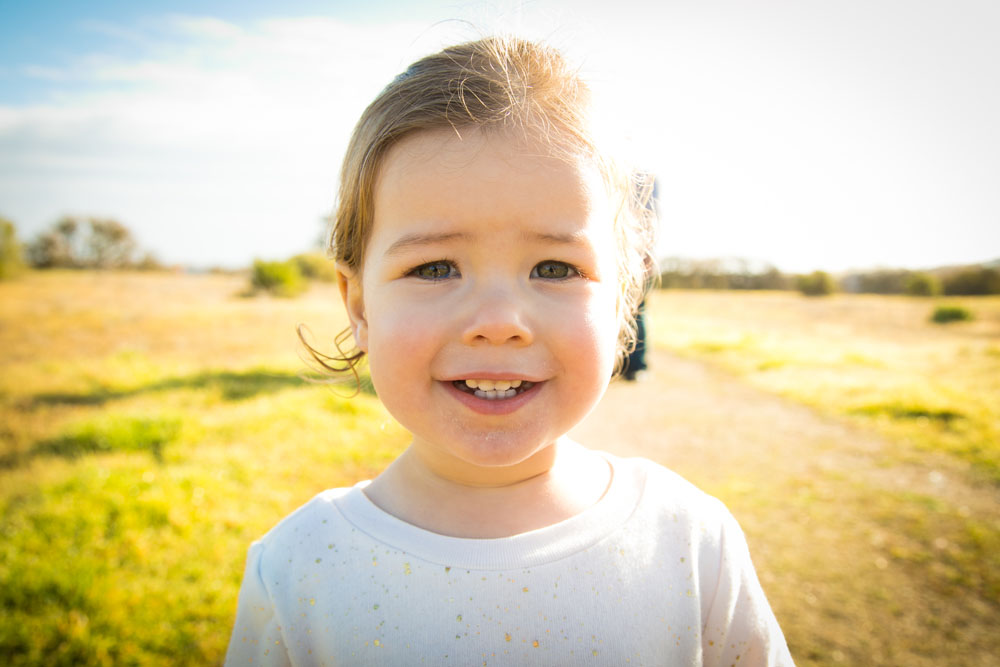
column 153, row 425
column 877, row 361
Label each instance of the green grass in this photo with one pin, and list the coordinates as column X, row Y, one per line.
column 117, row 556
column 137, row 471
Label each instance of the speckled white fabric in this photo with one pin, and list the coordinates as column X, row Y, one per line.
column 656, row 573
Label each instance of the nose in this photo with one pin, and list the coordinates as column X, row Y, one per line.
column 498, row 317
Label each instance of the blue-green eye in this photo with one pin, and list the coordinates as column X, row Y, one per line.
column 439, row 270
column 553, row 270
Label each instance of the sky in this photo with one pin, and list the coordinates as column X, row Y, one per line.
column 807, row 134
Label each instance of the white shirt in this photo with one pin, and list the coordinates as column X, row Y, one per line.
column 655, row 573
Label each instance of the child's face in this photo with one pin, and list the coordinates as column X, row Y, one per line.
column 488, row 262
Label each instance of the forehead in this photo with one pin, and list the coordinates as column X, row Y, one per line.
column 463, row 177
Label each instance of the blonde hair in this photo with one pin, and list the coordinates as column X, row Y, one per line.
column 496, row 84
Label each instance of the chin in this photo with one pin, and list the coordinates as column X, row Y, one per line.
column 498, row 449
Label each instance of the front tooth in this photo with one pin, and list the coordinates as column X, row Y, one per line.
column 486, row 385
column 502, row 385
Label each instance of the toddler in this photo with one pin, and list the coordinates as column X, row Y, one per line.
column 491, row 259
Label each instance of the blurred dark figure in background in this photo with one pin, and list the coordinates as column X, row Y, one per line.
column 636, row 365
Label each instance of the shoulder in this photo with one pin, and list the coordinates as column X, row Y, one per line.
column 306, row 523
column 663, row 490
column 677, row 512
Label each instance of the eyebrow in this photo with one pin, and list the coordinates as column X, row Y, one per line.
column 570, row 238
column 418, row 240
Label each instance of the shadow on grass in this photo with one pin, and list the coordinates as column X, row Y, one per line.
column 910, row 411
column 232, row 385
column 113, row 435
column 104, row 435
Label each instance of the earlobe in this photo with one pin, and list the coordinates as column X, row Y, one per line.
column 349, row 282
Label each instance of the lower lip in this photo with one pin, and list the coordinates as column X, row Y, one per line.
column 500, row 406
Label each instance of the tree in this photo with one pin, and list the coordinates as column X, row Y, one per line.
column 56, row 248
column 46, row 251
column 883, row 281
column 11, row 257
column 110, row 244
column 106, row 244
column 973, row 282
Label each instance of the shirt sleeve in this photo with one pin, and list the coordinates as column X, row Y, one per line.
column 741, row 628
column 256, row 637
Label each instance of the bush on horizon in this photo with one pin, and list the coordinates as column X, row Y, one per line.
column 922, row 284
column 817, row 283
column 11, row 256
column 282, row 279
column 316, row 266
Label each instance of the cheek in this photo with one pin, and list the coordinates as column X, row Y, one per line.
column 401, row 343
column 606, row 327
column 592, row 329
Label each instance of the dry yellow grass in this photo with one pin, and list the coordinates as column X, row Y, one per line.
column 878, row 361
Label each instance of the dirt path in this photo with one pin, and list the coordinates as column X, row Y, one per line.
column 809, row 493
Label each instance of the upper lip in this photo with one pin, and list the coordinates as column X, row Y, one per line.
column 492, row 375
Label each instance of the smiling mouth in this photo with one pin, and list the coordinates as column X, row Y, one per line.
column 493, row 390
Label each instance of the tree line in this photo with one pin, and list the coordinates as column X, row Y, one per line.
column 740, row 274
column 73, row 242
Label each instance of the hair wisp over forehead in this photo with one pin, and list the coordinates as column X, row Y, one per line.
column 496, row 84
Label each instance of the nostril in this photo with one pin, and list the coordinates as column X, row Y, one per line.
column 498, row 338
column 497, row 322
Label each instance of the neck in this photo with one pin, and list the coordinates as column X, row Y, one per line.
column 439, row 468
column 548, row 488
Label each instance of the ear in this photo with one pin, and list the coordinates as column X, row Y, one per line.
column 349, row 282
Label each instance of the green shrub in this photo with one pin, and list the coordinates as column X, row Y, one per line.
column 922, row 284
column 817, row 283
column 945, row 314
column 11, row 258
column 278, row 278
column 316, row 266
